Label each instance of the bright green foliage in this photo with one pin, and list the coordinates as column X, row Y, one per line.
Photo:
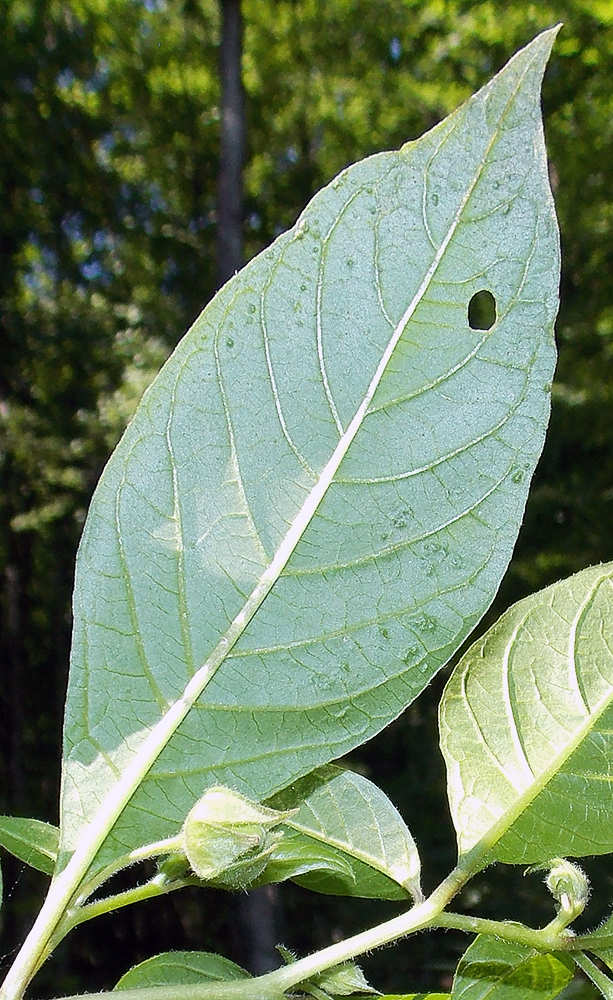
column 31, row 841
column 526, row 723
column 496, row 970
column 357, row 470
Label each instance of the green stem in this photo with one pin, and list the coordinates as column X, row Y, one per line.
column 78, row 915
column 275, row 984
column 428, row 914
column 146, row 853
column 594, row 941
column 604, row 984
column 263, row 988
column 550, row 938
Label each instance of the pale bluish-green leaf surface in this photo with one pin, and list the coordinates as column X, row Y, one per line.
column 498, row 970
column 181, row 968
column 319, row 494
column 31, row 841
column 346, row 838
column 527, row 727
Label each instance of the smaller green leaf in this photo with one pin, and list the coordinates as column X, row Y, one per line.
column 31, row 841
column 181, row 968
column 346, row 838
column 527, row 727
column 498, row 970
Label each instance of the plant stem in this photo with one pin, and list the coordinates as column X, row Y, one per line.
column 145, row 853
column 546, row 939
column 79, row 915
column 604, row 984
column 275, row 984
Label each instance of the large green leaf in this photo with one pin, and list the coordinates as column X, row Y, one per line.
column 497, row 970
column 527, row 727
column 319, row 494
column 346, row 838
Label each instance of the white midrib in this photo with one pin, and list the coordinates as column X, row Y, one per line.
column 91, row 839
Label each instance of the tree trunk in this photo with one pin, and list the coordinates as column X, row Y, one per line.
column 232, row 151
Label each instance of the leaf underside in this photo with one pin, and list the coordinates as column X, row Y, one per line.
column 527, row 727
column 318, row 496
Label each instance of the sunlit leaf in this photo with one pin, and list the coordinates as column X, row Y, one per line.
column 527, row 727
column 497, row 970
column 319, row 494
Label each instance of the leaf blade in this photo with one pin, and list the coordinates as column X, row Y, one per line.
column 498, row 970
column 344, row 817
column 30, row 840
column 181, row 968
column 532, row 700
column 187, row 558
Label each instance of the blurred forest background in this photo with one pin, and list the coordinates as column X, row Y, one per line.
column 113, row 238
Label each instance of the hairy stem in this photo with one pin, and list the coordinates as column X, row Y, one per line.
column 275, row 984
column 546, row 939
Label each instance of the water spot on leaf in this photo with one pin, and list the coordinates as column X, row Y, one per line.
column 434, row 199
column 252, row 308
column 424, row 623
column 517, row 476
column 402, row 518
column 482, row 310
column 229, row 342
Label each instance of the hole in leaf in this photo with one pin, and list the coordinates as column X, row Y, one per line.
column 482, row 310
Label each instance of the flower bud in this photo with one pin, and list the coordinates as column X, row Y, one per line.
column 227, row 838
column 568, row 884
